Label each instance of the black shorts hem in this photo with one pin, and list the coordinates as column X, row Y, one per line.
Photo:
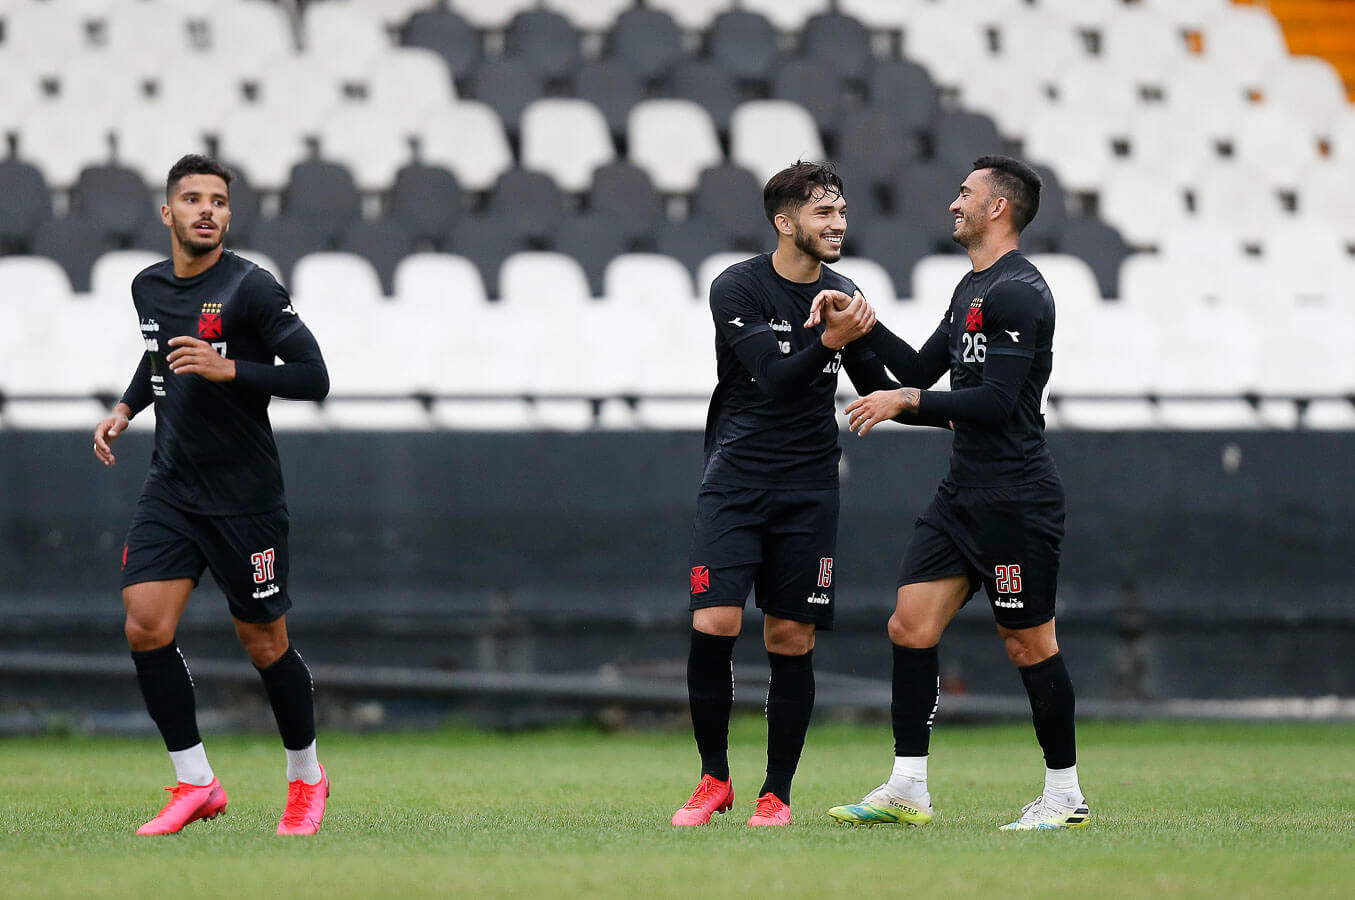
column 713, row 602
column 937, row 576
column 263, row 616
column 1034, row 624
column 196, row 577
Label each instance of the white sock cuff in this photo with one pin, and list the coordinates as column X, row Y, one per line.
column 304, row 764
column 913, row 768
column 191, row 766
column 1062, row 781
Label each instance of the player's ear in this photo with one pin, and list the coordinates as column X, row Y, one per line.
column 1000, row 205
column 783, row 224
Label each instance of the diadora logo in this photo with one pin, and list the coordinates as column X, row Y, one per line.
column 818, row 600
column 1016, row 336
column 149, row 325
column 209, row 321
column 1008, row 603
column 781, row 325
column 265, row 592
column 700, row 582
column 289, row 310
column 737, row 321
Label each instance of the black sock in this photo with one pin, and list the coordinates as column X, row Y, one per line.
column 790, row 703
column 289, row 687
column 710, row 690
column 916, row 694
column 1052, row 708
column 167, row 688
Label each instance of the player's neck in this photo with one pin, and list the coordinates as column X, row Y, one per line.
column 793, row 264
column 187, row 265
column 983, row 255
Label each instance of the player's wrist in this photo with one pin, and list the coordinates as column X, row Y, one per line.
column 827, row 343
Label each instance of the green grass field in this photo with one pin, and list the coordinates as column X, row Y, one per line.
column 1179, row 810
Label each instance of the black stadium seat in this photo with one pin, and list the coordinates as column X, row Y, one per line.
column 613, row 87
column 545, row 40
column 426, row 200
column 745, row 44
column 447, row 34
column 624, row 194
column 593, row 240
column 872, row 144
column 958, row 138
column 692, row 240
column 27, row 204
column 244, row 205
column 115, row 199
column 531, row 200
column 486, row 240
column 383, row 243
column 708, row 84
column 1099, row 245
column 730, row 196
column 840, row 42
column 904, row 89
column 508, row 85
column 323, row 195
column 75, row 242
column 816, row 86
column 895, row 243
column 648, row 40
column 287, row 238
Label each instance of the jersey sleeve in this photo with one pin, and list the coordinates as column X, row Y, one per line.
column 737, row 314
column 1010, row 318
column 269, row 307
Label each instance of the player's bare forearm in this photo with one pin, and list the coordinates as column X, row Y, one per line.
column 193, row 356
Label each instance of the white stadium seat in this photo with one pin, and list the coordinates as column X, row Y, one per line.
column 133, row 27
column 264, row 142
column 765, row 136
column 112, row 274
column 567, row 139
column 1276, row 143
column 410, row 84
column 343, row 38
column 672, row 140
column 786, row 15
column 252, row 34
column 693, row 15
column 543, row 281
column 949, row 45
column 151, row 137
column 1237, row 199
column 61, row 141
column 1308, row 87
column 439, row 279
column 363, row 138
column 469, row 139
column 1077, row 149
column 1138, row 201
column 299, row 89
column 870, row 278
column 590, row 15
column 648, row 281
column 491, row 16
column 935, row 277
column 710, row 269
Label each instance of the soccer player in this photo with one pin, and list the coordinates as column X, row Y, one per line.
column 997, row 518
column 767, row 510
column 213, row 498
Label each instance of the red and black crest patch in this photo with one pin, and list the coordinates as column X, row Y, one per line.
column 700, row 579
column 973, row 319
column 209, row 322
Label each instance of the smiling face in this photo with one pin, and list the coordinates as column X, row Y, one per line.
column 820, row 224
column 972, row 209
column 198, row 212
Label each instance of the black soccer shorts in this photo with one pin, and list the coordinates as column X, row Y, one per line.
column 1008, row 539
column 779, row 543
column 247, row 555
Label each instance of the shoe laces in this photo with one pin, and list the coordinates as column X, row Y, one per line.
column 767, row 805
column 1039, row 809
column 297, row 806
column 704, row 791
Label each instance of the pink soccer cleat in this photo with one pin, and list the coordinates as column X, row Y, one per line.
column 305, row 806
column 187, row 803
column 770, row 811
column 711, row 796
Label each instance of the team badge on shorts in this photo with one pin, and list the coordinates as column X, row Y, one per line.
column 700, row 579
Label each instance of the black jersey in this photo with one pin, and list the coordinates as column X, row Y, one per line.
column 780, row 430
column 1002, row 316
column 214, row 449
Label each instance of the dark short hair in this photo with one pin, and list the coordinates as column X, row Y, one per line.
column 196, row 164
column 792, row 187
column 1016, row 181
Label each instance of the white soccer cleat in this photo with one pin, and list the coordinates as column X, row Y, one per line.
column 1045, row 813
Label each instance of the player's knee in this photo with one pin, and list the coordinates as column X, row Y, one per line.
column 146, row 636
column 787, row 638
column 1023, row 653
column 905, row 633
column 264, row 647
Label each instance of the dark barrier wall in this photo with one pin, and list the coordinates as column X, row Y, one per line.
column 1213, row 548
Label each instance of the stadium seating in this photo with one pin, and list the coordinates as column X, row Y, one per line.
column 599, row 128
